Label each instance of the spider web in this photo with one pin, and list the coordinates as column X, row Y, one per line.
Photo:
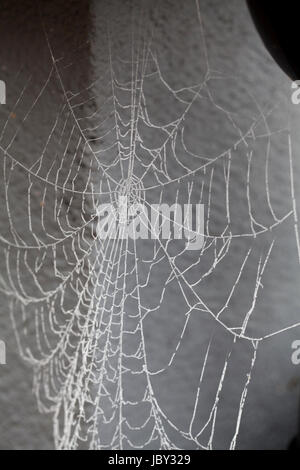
column 89, row 303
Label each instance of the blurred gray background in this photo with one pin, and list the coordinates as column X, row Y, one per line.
column 235, row 49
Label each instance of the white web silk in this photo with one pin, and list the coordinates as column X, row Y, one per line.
column 84, row 300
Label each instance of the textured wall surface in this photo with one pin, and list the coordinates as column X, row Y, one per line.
column 247, row 82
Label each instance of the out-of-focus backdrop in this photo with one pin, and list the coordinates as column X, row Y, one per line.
column 247, row 81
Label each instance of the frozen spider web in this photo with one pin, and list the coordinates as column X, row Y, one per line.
column 84, row 308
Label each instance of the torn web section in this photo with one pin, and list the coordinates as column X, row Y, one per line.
column 247, row 228
column 118, row 325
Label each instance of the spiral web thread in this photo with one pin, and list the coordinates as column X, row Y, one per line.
column 86, row 301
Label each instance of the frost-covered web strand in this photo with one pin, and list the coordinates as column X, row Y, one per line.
column 90, row 348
